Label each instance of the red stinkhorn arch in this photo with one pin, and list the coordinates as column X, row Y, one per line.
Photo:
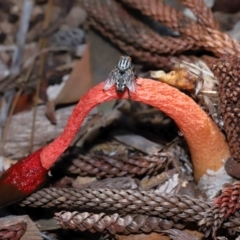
column 206, row 143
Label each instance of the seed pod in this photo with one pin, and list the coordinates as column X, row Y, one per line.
column 227, row 71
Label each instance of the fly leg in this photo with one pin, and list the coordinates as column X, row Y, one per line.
column 138, row 84
column 129, row 96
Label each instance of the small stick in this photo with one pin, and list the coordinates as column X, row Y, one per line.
column 42, row 44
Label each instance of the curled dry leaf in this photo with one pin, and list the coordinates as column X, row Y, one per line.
column 177, row 234
column 148, row 183
column 79, row 81
column 138, row 142
column 190, row 76
column 18, row 227
column 202, row 72
column 74, row 87
column 170, row 186
column 111, row 183
column 179, row 78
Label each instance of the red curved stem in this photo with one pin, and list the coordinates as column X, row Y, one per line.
column 206, row 143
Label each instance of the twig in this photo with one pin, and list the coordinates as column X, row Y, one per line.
column 14, row 103
column 21, row 36
column 43, row 51
column 17, row 58
column 42, row 44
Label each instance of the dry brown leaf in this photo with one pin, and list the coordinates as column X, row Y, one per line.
column 110, row 183
column 93, row 127
column 169, row 186
column 17, row 142
column 50, row 112
column 29, row 51
column 12, row 230
column 179, row 78
column 7, row 163
column 201, row 71
column 138, row 142
column 76, row 17
column 25, row 102
column 83, row 181
column 148, row 183
column 72, row 88
column 177, row 234
column 79, row 81
column 47, row 224
column 195, row 233
column 32, row 231
column 151, row 236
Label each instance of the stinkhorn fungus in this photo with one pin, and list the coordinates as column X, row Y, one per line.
column 206, row 143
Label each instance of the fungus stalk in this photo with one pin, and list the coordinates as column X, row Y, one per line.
column 206, row 143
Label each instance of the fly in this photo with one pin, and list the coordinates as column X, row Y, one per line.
column 122, row 76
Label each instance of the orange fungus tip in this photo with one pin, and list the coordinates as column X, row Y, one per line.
column 206, row 143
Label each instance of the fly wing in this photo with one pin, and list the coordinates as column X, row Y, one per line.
column 111, row 80
column 131, row 82
column 108, row 83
